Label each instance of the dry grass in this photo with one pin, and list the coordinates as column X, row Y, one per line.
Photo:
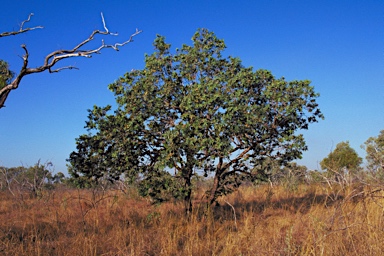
column 312, row 220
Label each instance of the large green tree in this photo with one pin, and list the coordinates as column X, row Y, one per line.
column 195, row 110
column 343, row 158
column 374, row 147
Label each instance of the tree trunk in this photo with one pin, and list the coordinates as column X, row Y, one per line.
column 188, row 201
column 188, row 195
column 215, row 186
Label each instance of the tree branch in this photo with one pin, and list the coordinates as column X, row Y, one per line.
column 53, row 58
column 240, row 156
column 21, row 30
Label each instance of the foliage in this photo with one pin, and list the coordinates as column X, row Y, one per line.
column 374, row 147
column 281, row 174
column 33, row 179
column 161, row 186
column 315, row 176
column 343, row 158
column 196, row 111
column 105, row 155
column 292, row 175
column 6, row 75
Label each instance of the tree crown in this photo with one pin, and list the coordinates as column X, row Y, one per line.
column 342, row 157
column 194, row 110
column 374, row 147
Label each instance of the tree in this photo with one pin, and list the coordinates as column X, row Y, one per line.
column 343, row 158
column 196, row 111
column 291, row 174
column 374, row 147
column 50, row 61
column 33, row 179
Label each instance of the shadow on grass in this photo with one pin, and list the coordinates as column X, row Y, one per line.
column 292, row 204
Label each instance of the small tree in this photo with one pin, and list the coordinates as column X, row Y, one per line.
column 343, row 159
column 197, row 111
column 9, row 177
column 50, row 61
column 33, row 179
column 374, row 147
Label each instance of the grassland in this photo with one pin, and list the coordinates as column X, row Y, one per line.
column 308, row 220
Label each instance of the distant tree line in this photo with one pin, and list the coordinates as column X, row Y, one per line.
column 341, row 166
column 31, row 180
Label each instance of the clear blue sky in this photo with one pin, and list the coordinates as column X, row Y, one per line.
column 338, row 45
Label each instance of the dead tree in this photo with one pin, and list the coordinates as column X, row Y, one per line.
column 53, row 58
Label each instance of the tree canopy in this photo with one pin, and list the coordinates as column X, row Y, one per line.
column 196, row 111
column 343, row 157
column 374, row 147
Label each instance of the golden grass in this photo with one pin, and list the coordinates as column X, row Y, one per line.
column 312, row 220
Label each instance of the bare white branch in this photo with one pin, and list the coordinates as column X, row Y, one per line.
column 62, row 68
column 53, row 58
column 21, row 30
column 105, row 26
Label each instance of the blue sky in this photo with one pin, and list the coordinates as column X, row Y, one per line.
column 338, row 45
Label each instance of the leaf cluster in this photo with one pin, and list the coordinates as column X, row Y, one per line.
column 6, row 74
column 374, row 147
column 343, row 157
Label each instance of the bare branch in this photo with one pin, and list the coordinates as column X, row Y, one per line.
column 62, row 68
column 105, row 26
column 234, row 212
column 51, row 59
column 21, row 30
